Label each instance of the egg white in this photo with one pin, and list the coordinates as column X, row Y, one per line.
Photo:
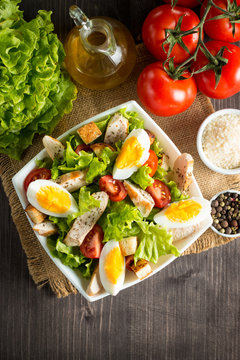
column 143, row 139
column 35, row 186
column 161, row 219
column 111, row 288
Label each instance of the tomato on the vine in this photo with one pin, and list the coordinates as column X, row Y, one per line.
column 166, row 17
column 186, row 3
column 36, row 174
column 152, row 162
column 163, row 95
column 229, row 83
column 222, row 29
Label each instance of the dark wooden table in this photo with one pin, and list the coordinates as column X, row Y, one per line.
column 190, row 310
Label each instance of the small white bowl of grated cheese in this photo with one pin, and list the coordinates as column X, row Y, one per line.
column 218, row 141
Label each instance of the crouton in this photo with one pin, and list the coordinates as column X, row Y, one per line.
column 53, row 147
column 97, row 148
column 95, row 284
column 35, row 215
column 151, row 136
column 142, row 269
column 46, row 228
column 128, row 246
column 74, row 180
column 141, row 198
column 84, row 223
column 183, row 171
column 117, row 129
column 89, row 132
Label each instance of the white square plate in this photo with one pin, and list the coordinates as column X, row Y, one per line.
column 170, row 149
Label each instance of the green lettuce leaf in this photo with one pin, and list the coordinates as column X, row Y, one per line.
column 35, row 91
column 101, row 165
column 97, row 168
column 176, row 194
column 160, row 174
column 133, row 119
column 69, row 255
column 44, row 163
column 154, row 242
column 86, row 202
column 119, row 220
column 142, row 178
column 103, row 124
column 87, row 268
column 156, row 147
column 76, row 161
column 10, row 15
column 55, row 172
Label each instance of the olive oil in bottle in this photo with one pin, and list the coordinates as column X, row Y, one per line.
column 100, row 52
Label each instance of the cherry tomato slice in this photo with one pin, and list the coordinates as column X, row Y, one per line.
column 36, row 174
column 83, row 147
column 114, row 188
column 92, row 245
column 160, row 193
column 152, row 162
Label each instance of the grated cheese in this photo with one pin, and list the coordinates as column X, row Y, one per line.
column 221, row 141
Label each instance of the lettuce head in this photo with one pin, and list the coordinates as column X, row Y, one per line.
column 35, row 91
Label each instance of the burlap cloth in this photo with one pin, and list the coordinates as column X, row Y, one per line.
column 182, row 129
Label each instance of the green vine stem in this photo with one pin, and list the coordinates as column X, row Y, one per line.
column 215, row 62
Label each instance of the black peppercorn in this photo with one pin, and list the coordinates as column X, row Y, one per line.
column 224, row 224
column 234, row 223
column 213, row 211
column 228, row 230
column 215, row 203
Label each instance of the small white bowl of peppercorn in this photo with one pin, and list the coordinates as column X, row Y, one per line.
column 225, row 211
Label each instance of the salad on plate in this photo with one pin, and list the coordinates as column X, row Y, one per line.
column 108, row 201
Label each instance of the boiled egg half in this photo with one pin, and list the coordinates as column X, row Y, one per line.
column 183, row 213
column 51, row 198
column 134, row 153
column 112, row 267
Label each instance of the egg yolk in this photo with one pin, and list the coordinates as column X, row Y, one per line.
column 53, row 199
column 183, row 211
column 114, row 265
column 130, row 154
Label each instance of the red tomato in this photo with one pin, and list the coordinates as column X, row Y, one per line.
column 187, row 3
column 161, row 94
column 36, row 174
column 229, row 83
column 160, row 193
column 129, row 261
column 152, row 162
column 220, row 29
column 83, row 147
column 92, row 245
column 165, row 17
column 114, row 188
